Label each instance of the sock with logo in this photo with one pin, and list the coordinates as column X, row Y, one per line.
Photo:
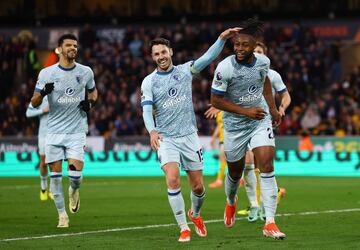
column 57, row 191
column 231, row 188
column 177, row 204
column 268, row 187
column 196, row 202
column 250, row 184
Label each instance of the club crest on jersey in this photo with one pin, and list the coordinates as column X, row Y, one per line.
column 262, row 75
column 173, row 92
column 78, row 79
column 69, row 91
column 218, row 76
column 176, row 77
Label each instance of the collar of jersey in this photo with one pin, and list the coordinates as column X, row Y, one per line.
column 166, row 72
column 247, row 64
column 66, row 69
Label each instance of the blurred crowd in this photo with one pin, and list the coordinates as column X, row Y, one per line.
column 323, row 102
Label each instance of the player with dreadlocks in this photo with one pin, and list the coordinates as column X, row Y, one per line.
column 242, row 89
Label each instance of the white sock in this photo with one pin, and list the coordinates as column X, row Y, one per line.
column 177, row 204
column 269, row 193
column 196, row 202
column 43, row 182
column 231, row 188
column 250, row 184
column 75, row 178
column 57, row 191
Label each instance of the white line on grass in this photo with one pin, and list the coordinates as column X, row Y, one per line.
column 167, row 225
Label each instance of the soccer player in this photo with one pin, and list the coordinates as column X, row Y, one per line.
column 218, row 133
column 41, row 112
column 251, row 172
column 168, row 90
column 71, row 93
column 242, row 89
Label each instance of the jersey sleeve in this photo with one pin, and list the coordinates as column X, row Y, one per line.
column 277, row 82
column 221, row 79
column 146, row 92
column 90, row 83
column 41, row 81
column 187, row 68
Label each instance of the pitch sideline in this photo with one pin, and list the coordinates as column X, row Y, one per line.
column 166, row 225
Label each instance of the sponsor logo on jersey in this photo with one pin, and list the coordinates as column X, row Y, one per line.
column 69, row 91
column 217, row 83
column 66, row 99
column 254, row 94
column 218, row 76
column 173, row 92
column 174, row 101
column 253, row 89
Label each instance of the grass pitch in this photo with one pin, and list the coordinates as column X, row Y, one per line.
column 133, row 213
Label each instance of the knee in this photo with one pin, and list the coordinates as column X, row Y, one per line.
column 173, row 182
column 235, row 175
column 198, row 188
column 267, row 167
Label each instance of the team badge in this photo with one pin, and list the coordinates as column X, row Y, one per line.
column 78, row 79
column 176, row 77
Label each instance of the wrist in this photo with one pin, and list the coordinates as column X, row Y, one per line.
column 92, row 103
column 43, row 93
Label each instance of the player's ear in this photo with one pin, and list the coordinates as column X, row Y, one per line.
column 58, row 50
column 171, row 52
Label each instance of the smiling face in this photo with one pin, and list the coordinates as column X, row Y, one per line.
column 161, row 54
column 68, row 49
column 244, row 46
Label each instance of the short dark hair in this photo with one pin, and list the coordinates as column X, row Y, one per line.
column 66, row 36
column 253, row 27
column 158, row 41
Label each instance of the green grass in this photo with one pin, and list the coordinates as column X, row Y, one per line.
column 109, row 203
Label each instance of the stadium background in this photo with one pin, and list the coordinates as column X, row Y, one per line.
column 315, row 47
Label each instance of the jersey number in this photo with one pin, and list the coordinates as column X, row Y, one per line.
column 271, row 133
column 200, row 154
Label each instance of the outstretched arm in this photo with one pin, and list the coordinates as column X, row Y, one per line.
column 213, row 51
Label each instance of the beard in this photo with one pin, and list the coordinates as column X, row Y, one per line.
column 70, row 55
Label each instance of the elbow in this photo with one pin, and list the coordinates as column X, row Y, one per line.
column 215, row 102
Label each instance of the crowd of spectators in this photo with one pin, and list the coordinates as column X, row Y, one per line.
column 323, row 102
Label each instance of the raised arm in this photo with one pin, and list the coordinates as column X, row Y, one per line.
column 213, row 51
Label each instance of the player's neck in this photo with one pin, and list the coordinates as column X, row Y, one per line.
column 66, row 63
column 171, row 66
column 248, row 61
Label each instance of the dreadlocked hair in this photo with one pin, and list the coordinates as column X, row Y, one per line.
column 253, row 27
